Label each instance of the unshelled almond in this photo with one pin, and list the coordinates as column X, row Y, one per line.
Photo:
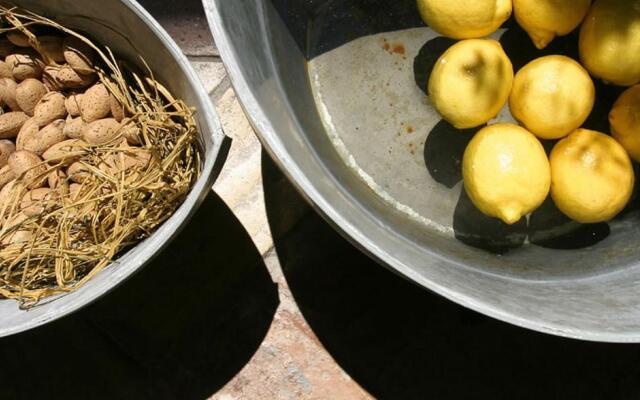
column 72, row 103
column 8, row 93
column 5, row 70
column 7, row 147
column 29, row 130
column 79, row 55
column 50, row 108
column 101, row 131
column 6, row 175
column 117, row 109
column 28, row 93
column 25, row 65
column 20, row 238
column 18, row 38
column 29, row 168
column 10, row 124
column 50, row 78
column 36, row 201
column 70, row 79
column 10, row 194
column 131, row 132
column 56, row 178
column 68, row 151
column 138, row 158
column 47, row 137
column 95, row 103
column 128, row 157
column 74, row 127
column 78, row 172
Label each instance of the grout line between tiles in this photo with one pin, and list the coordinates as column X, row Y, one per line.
column 217, row 93
column 204, row 57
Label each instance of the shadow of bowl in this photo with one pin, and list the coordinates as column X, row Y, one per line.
column 399, row 341
column 179, row 329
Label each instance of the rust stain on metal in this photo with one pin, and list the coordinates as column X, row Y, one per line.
column 398, row 48
column 394, row 48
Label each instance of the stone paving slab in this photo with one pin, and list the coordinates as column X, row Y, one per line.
column 240, row 183
column 212, row 73
column 291, row 363
column 185, row 21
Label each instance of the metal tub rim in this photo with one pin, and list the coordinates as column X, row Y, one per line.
column 211, row 134
column 315, row 192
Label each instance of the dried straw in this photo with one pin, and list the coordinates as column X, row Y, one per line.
column 85, row 227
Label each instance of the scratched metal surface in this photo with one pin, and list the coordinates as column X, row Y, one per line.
column 379, row 120
column 371, row 98
column 544, row 273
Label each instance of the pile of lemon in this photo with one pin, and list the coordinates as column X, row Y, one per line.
column 506, row 171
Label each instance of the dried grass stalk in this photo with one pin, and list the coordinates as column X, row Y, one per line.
column 88, row 225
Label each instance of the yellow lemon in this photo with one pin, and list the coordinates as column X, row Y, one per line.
column 463, row 19
column 506, row 172
column 625, row 121
column 552, row 96
column 610, row 41
column 470, row 82
column 591, row 176
column 545, row 19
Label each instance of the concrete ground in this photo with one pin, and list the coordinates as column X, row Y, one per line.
column 260, row 299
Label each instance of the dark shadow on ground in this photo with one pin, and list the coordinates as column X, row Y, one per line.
column 402, row 342
column 179, row 329
column 162, row 8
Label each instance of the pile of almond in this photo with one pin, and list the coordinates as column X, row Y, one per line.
column 54, row 109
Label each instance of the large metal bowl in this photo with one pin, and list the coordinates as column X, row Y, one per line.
column 131, row 32
column 329, row 87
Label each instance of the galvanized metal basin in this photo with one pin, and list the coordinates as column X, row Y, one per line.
column 330, row 87
column 131, row 32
